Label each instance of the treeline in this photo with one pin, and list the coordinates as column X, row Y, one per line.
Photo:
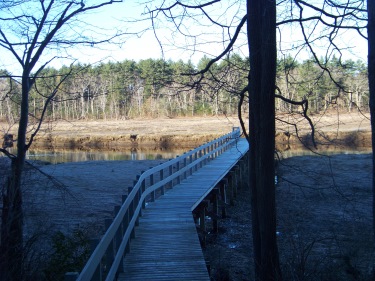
column 333, row 85
column 157, row 88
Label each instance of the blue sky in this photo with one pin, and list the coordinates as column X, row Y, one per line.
column 142, row 46
column 146, row 46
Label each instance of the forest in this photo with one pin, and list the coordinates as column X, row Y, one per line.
column 159, row 88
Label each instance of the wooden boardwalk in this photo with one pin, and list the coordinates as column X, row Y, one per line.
column 166, row 244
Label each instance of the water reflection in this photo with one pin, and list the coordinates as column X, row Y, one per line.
column 63, row 156
column 324, row 151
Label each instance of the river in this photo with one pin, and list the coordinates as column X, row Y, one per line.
column 65, row 156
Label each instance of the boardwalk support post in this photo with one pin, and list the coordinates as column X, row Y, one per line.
column 223, row 195
column 202, row 220
column 71, row 276
column 215, row 210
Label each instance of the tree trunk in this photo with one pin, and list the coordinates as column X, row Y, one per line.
column 262, row 48
column 11, row 247
column 371, row 79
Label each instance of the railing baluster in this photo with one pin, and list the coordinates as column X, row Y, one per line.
column 170, row 173
column 185, row 173
column 190, row 161
column 195, row 158
column 178, row 170
column 137, row 197
column 131, row 212
column 162, row 178
column 151, row 184
column 143, row 189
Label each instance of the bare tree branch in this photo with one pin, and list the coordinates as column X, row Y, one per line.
column 305, row 106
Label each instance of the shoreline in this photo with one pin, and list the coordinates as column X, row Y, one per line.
column 346, row 130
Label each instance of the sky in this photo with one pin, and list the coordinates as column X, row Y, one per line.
column 145, row 45
column 142, row 45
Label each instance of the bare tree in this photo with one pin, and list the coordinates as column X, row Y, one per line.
column 326, row 23
column 319, row 23
column 371, row 79
column 35, row 33
column 261, row 42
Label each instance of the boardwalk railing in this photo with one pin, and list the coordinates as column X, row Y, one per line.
column 106, row 260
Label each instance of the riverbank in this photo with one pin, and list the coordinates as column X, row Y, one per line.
column 346, row 129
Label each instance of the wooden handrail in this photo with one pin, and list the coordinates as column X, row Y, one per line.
column 136, row 198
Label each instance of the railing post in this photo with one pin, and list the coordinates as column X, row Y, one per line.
column 109, row 254
column 98, row 271
column 118, row 238
column 125, row 223
column 119, row 233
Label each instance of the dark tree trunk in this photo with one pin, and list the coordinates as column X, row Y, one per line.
column 262, row 48
column 11, row 248
column 12, row 226
column 371, row 79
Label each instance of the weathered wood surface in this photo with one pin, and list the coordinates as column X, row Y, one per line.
column 166, row 244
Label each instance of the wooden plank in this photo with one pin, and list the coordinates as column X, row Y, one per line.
column 166, row 244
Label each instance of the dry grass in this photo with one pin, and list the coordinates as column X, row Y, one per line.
column 348, row 128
